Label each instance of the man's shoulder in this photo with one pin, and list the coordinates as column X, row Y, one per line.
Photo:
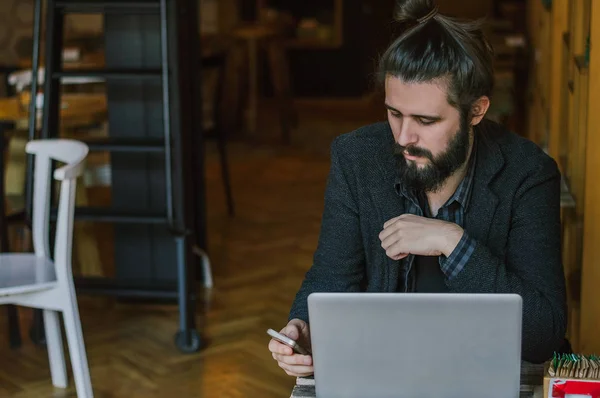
column 518, row 151
column 362, row 141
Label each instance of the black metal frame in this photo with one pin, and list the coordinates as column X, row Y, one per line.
column 176, row 66
column 107, row 7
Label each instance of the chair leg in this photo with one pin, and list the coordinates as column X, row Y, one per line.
column 56, row 355
column 222, row 146
column 79, row 363
column 14, row 329
column 285, row 125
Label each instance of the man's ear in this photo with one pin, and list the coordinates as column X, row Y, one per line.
column 479, row 109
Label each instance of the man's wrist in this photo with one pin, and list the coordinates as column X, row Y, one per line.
column 452, row 237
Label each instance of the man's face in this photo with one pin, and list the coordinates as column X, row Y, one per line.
column 431, row 140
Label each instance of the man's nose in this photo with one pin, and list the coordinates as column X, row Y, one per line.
column 406, row 136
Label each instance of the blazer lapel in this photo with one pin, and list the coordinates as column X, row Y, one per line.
column 483, row 202
column 390, row 203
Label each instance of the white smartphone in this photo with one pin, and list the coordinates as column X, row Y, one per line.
column 298, row 349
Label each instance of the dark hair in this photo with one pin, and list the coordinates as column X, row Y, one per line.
column 434, row 46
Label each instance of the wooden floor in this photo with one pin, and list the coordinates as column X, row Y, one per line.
column 259, row 258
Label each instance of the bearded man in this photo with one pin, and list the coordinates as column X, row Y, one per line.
column 438, row 198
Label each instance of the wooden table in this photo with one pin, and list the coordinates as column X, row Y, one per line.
column 305, row 388
column 93, row 60
column 76, row 109
column 531, row 383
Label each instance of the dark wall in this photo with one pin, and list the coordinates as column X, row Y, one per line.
column 346, row 71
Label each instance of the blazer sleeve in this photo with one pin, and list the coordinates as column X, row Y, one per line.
column 532, row 266
column 338, row 263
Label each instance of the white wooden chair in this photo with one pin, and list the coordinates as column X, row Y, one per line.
column 33, row 279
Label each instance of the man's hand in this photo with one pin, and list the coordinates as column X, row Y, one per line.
column 294, row 364
column 421, row 236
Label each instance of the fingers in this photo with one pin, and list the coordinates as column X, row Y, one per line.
column 390, row 222
column 394, row 246
column 297, row 371
column 277, row 348
column 391, row 226
column 400, row 217
column 399, row 256
column 388, row 231
column 293, row 360
column 295, row 365
column 303, row 332
column 385, row 234
column 291, row 330
column 391, row 239
column 395, row 252
column 300, row 324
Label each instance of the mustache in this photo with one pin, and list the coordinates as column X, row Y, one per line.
column 412, row 150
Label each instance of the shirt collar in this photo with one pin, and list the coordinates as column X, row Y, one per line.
column 462, row 195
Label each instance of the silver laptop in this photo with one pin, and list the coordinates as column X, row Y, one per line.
column 416, row 345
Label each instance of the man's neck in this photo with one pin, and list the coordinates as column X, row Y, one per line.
column 440, row 197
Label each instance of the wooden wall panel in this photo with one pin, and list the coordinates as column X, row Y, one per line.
column 590, row 293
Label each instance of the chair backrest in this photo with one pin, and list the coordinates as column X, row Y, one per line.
column 73, row 154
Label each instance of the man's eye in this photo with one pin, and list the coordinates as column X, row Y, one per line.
column 425, row 122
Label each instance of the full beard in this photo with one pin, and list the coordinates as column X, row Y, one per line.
column 431, row 177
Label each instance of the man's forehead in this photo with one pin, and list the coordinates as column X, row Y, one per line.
column 416, row 97
column 396, row 86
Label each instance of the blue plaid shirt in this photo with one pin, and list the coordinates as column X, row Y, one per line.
column 453, row 211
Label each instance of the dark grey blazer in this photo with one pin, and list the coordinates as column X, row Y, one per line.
column 514, row 215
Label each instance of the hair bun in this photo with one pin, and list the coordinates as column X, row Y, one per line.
column 412, row 11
